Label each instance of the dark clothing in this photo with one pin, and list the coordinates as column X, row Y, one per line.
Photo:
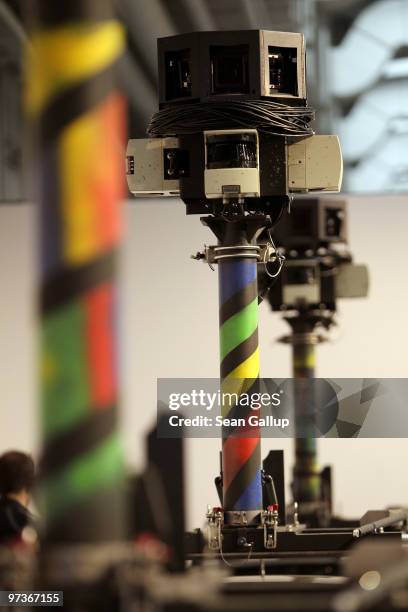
column 13, row 518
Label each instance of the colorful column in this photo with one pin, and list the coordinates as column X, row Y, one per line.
column 306, row 476
column 241, row 455
column 78, row 118
column 237, row 255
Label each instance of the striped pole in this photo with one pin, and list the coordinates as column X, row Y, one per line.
column 237, row 258
column 306, row 475
column 78, row 119
column 239, row 352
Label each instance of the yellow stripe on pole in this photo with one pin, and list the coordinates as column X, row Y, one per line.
column 79, row 162
column 91, row 186
column 66, row 56
column 239, row 381
column 305, row 361
column 248, row 368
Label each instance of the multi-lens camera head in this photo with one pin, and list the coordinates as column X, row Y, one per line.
column 233, row 126
column 318, row 265
column 246, row 63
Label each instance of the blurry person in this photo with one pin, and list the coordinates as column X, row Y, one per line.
column 17, row 475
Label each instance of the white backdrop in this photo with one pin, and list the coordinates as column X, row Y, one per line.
column 170, row 329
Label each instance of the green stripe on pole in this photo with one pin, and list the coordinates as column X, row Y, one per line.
column 64, row 369
column 307, row 479
column 238, row 328
column 99, row 468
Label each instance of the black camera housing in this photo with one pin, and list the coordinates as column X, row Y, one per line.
column 309, row 279
column 273, row 176
column 206, row 66
column 312, row 223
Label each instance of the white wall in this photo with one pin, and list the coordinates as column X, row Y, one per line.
column 17, row 328
column 170, row 329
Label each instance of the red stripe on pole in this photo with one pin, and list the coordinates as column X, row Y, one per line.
column 107, row 178
column 100, row 346
column 236, row 452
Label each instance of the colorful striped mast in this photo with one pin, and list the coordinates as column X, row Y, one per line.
column 79, row 125
column 237, row 255
column 306, row 474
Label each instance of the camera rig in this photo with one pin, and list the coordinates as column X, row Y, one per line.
column 233, row 139
column 318, row 270
column 215, row 168
column 233, row 127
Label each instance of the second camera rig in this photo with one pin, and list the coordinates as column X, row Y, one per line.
column 318, row 268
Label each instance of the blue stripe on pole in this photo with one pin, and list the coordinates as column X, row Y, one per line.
column 234, row 276
column 251, row 499
column 47, row 175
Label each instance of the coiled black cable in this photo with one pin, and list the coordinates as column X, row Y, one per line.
column 267, row 116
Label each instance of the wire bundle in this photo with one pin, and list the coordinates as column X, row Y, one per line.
column 274, row 118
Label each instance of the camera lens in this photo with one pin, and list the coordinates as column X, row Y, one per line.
column 232, row 151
